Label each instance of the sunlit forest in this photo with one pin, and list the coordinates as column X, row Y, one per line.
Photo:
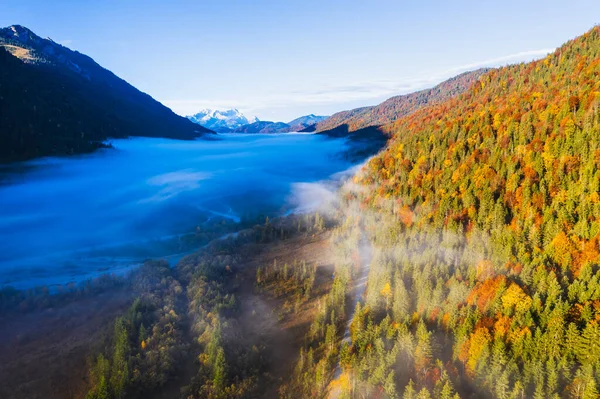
column 485, row 215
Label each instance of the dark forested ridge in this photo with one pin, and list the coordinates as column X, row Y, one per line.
column 54, row 101
column 399, row 106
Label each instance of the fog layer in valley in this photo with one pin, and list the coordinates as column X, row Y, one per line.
column 71, row 218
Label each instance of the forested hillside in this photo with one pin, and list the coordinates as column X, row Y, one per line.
column 484, row 212
column 397, row 107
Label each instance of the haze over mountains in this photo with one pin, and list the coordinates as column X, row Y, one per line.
column 56, row 101
column 359, row 123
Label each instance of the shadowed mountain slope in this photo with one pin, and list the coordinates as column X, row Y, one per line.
column 55, row 101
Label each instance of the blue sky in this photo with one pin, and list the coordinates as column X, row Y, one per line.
column 278, row 59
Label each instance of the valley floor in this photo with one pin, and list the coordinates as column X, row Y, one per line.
column 47, row 353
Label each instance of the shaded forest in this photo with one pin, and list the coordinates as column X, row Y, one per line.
column 54, row 101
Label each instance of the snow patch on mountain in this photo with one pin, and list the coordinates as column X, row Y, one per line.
column 221, row 121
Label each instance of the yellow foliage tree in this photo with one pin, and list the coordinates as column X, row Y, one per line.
column 516, row 298
column 386, row 292
column 478, row 348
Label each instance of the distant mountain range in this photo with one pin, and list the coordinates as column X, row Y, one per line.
column 396, row 107
column 221, row 121
column 359, row 123
column 55, row 101
column 264, row 127
column 233, row 121
column 305, row 122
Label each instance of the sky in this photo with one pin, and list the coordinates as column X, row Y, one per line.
column 280, row 59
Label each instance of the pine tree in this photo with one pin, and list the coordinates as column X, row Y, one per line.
column 424, row 394
column 409, row 391
column 220, row 371
column 389, row 386
column 401, row 303
column 423, row 351
column 120, row 360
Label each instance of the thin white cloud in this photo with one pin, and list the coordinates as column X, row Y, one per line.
column 364, row 91
column 65, row 42
column 507, row 59
column 175, row 183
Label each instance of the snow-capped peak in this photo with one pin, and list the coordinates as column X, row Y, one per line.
column 221, row 121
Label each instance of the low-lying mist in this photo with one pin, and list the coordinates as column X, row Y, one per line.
column 67, row 219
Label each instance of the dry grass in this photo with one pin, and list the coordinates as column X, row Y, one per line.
column 21, row 53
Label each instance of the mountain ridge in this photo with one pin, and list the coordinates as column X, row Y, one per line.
column 398, row 106
column 305, row 122
column 233, row 121
column 263, row 127
column 221, row 121
column 60, row 102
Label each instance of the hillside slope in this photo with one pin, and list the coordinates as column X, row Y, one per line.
column 399, row 106
column 485, row 214
column 305, row 122
column 55, row 101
